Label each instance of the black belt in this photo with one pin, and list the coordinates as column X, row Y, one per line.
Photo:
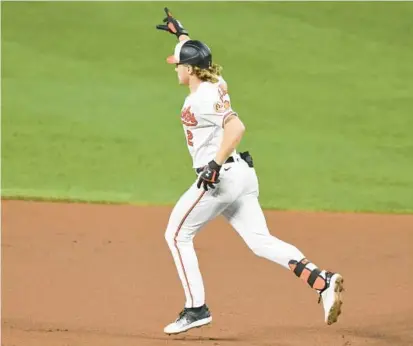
column 229, row 160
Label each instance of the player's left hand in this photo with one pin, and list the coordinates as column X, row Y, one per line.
column 172, row 25
column 208, row 178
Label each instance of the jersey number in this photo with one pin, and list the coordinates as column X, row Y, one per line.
column 190, row 137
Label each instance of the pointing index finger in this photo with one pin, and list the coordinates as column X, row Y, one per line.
column 168, row 13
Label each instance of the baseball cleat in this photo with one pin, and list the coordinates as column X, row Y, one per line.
column 332, row 297
column 189, row 318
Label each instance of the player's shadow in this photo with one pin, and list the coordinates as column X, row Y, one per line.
column 190, row 338
column 212, row 340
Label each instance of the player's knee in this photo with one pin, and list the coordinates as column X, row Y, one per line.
column 174, row 236
column 184, row 236
column 169, row 237
column 259, row 246
column 258, row 251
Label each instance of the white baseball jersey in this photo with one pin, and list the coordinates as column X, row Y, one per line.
column 203, row 116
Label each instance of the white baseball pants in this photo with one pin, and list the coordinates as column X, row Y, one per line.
column 236, row 198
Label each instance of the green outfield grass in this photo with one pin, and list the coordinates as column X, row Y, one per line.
column 90, row 109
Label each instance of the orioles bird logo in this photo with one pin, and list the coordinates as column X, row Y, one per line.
column 221, row 107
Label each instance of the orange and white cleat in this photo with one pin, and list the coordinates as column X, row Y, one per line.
column 331, row 296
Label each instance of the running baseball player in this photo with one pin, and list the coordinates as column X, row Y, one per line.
column 226, row 184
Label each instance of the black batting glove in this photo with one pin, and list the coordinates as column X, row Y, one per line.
column 172, row 25
column 209, row 176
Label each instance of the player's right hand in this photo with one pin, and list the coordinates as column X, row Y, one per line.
column 209, row 176
column 172, row 25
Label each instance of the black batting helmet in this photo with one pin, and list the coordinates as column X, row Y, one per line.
column 191, row 52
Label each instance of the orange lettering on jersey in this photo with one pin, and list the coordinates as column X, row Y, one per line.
column 188, row 118
column 190, row 137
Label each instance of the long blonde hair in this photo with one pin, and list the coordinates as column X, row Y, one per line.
column 210, row 74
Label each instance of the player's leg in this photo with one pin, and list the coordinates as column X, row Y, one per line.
column 193, row 210
column 247, row 218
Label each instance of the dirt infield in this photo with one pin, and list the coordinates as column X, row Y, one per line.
column 103, row 275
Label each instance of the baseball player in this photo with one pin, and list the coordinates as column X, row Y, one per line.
column 226, row 184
